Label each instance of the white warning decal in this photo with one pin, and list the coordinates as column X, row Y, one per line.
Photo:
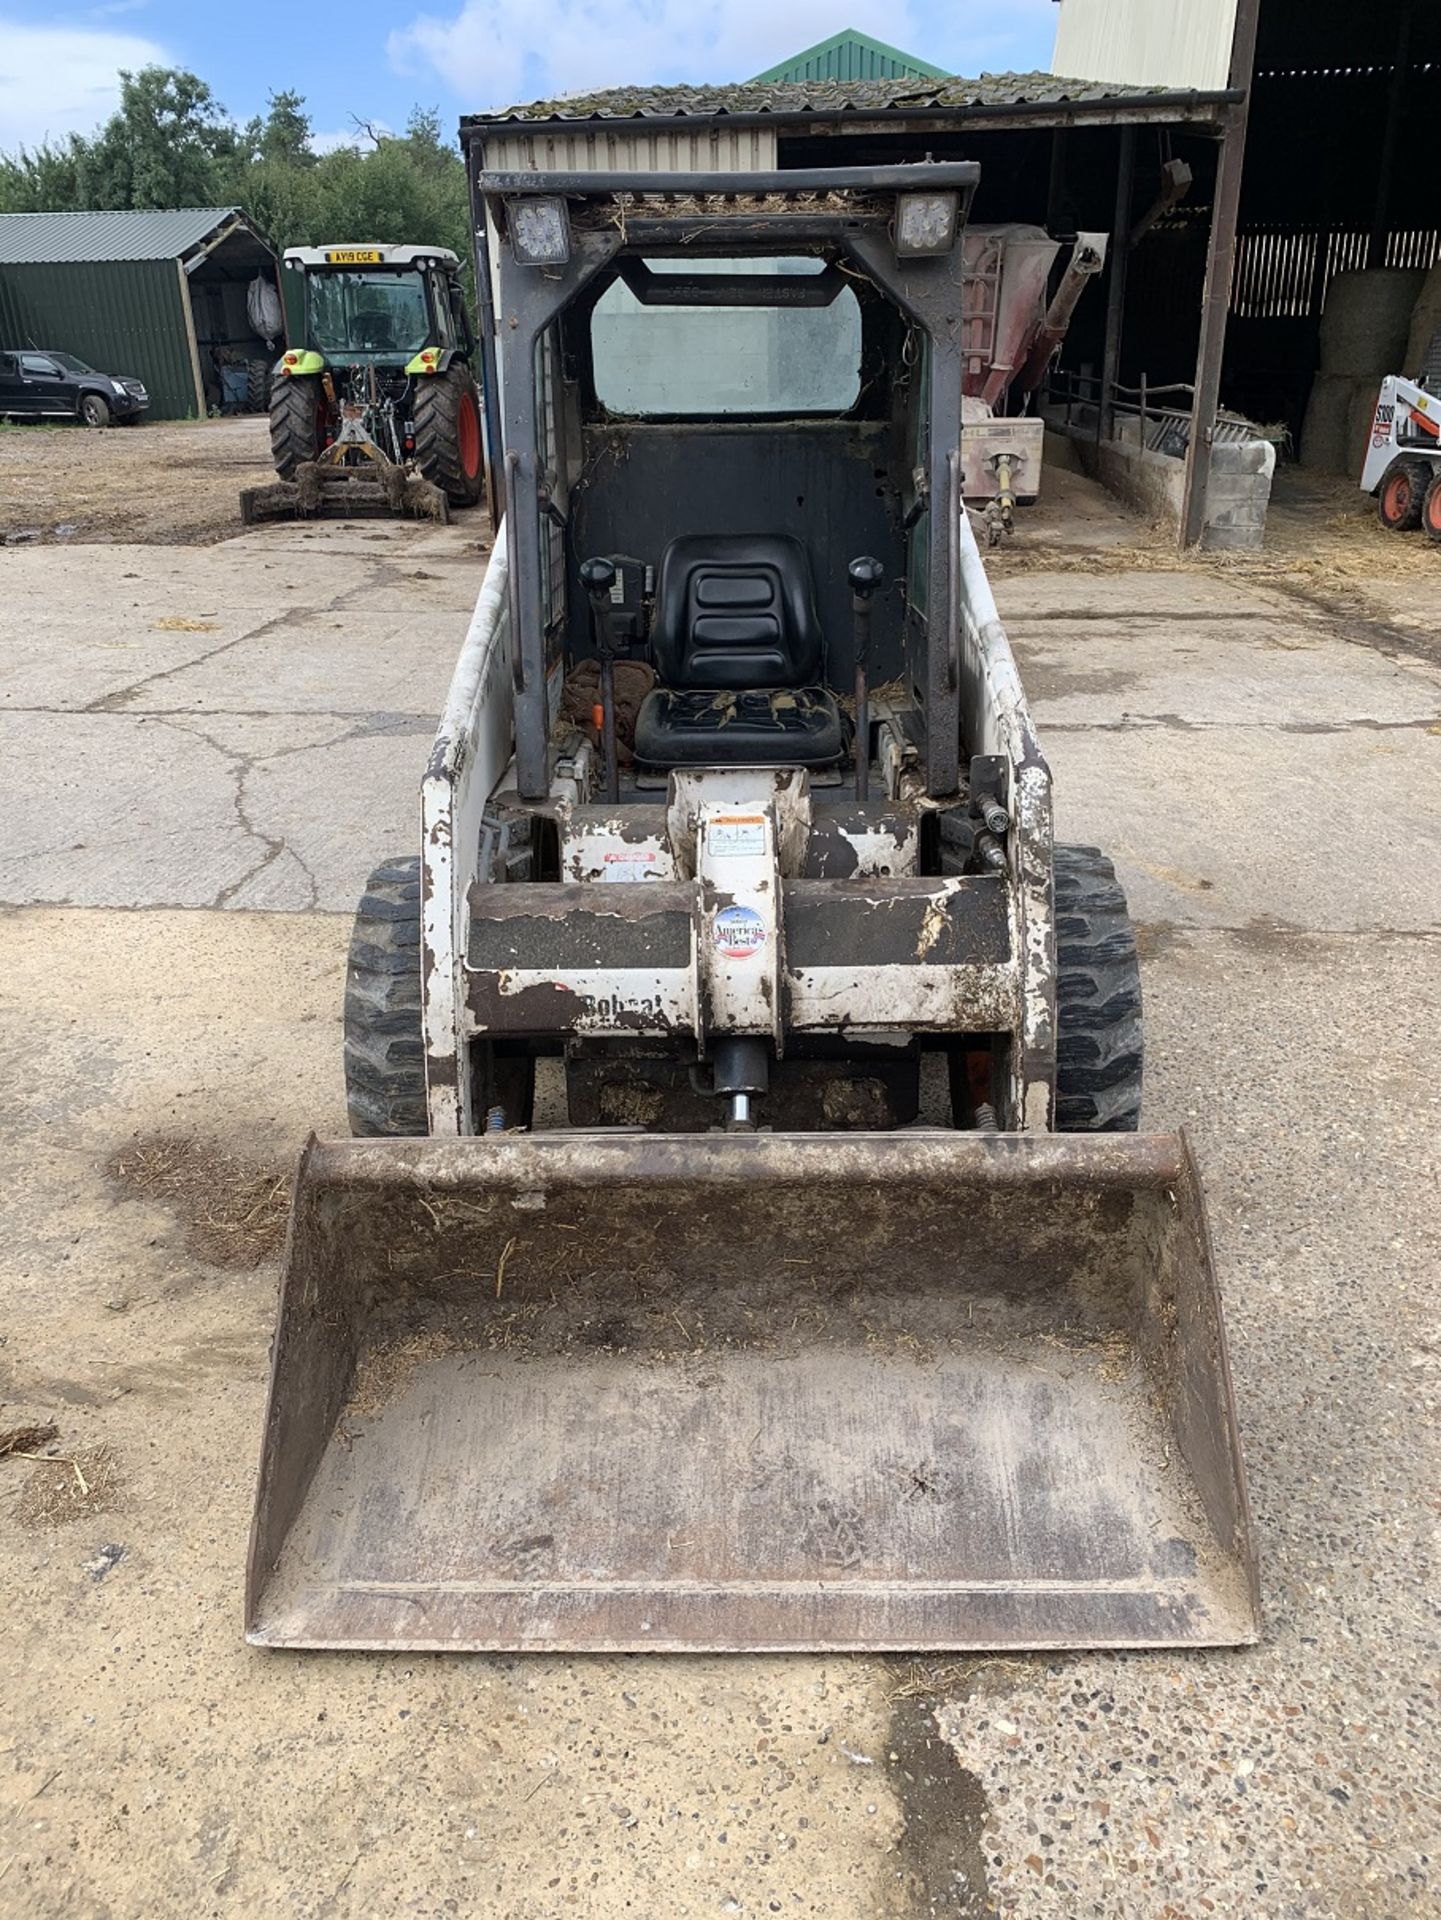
column 731, row 835
column 629, row 863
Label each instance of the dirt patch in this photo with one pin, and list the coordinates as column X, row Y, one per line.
column 234, row 1211
column 168, row 483
column 27, row 1439
column 1154, row 937
column 384, row 1372
column 946, row 1812
column 1325, row 549
column 69, row 1487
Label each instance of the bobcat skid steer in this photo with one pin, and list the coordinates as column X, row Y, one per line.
column 751, row 1246
column 1402, row 468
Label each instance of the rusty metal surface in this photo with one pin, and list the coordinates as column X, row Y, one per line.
column 915, row 1390
column 897, row 923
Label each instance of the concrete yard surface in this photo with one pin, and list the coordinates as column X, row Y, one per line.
column 203, row 751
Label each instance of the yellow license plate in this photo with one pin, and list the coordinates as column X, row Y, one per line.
column 353, row 257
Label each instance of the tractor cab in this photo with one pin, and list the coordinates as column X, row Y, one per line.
column 382, row 305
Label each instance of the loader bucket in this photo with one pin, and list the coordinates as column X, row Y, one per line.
column 916, row 1390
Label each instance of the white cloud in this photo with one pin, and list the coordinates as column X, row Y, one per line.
column 59, row 80
column 493, row 53
column 357, row 137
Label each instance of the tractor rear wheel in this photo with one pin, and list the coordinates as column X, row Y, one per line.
column 447, row 434
column 1431, row 507
column 1099, row 1054
column 1402, row 491
column 297, row 422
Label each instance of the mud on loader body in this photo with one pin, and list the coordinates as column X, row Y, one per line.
column 376, row 412
column 773, row 1263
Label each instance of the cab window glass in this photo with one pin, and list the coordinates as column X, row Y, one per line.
column 368, row 313
column 707, row 360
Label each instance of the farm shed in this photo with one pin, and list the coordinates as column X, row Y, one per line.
column 1323, row 166
column 161, row 295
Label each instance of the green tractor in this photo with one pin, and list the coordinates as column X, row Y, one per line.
column 377, row 410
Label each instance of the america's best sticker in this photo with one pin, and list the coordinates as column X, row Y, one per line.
column 739, row 932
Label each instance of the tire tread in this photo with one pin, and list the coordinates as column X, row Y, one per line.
column 1099, row 1045
column 384, row 1044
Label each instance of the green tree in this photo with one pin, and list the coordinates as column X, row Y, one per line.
column 43, row 181
column 171, row 144
column 166, row 145
column 280, row 136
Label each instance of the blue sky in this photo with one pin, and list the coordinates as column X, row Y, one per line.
column 373, row 59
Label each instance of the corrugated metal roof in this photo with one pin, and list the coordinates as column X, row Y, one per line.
column 28, row 239
column 852, row 56
column 821, row 98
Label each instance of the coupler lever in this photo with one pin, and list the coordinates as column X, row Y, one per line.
column 865, row 576
column 598, row 577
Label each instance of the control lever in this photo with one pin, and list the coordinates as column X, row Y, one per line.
column 865, row 576
column 598, row 577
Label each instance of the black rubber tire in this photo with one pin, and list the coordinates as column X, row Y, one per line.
column 384, row 1037
column 1099, row 1047
column 384, row 1016
column 95, row 410
column 448, row 447
column 257, row 385
column 296, row 404
column 1402, row 493
column 1431, row 506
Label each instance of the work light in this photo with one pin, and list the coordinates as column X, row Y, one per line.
column 539, row 230
column 926, row 222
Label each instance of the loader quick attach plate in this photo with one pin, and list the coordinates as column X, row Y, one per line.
column 916, row 1390
column 751, row 1392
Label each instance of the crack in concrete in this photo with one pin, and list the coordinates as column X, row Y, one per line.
column 1096, row 615
column 241, row 767
column 365, row 724
column 1178, row 723
column 1156, row 937
column 117, row 701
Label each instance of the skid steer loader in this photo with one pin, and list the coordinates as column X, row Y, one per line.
column 751, row 1246
column 377, row 411
column 1402, row 468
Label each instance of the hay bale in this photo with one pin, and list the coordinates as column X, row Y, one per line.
column 1425, row 323
column 1359, row 417
column 1323, row 433
column 1363, row 327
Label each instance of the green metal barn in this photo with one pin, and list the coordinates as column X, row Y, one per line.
column 160, row 295
column 852, row 56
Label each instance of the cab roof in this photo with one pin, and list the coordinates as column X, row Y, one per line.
column 388, row 255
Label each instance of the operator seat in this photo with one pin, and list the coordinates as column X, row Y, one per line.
column 738, row 646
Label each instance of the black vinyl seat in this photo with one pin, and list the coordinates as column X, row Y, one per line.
column 738, row 646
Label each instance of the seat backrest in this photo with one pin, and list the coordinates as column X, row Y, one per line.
column 736, row 610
